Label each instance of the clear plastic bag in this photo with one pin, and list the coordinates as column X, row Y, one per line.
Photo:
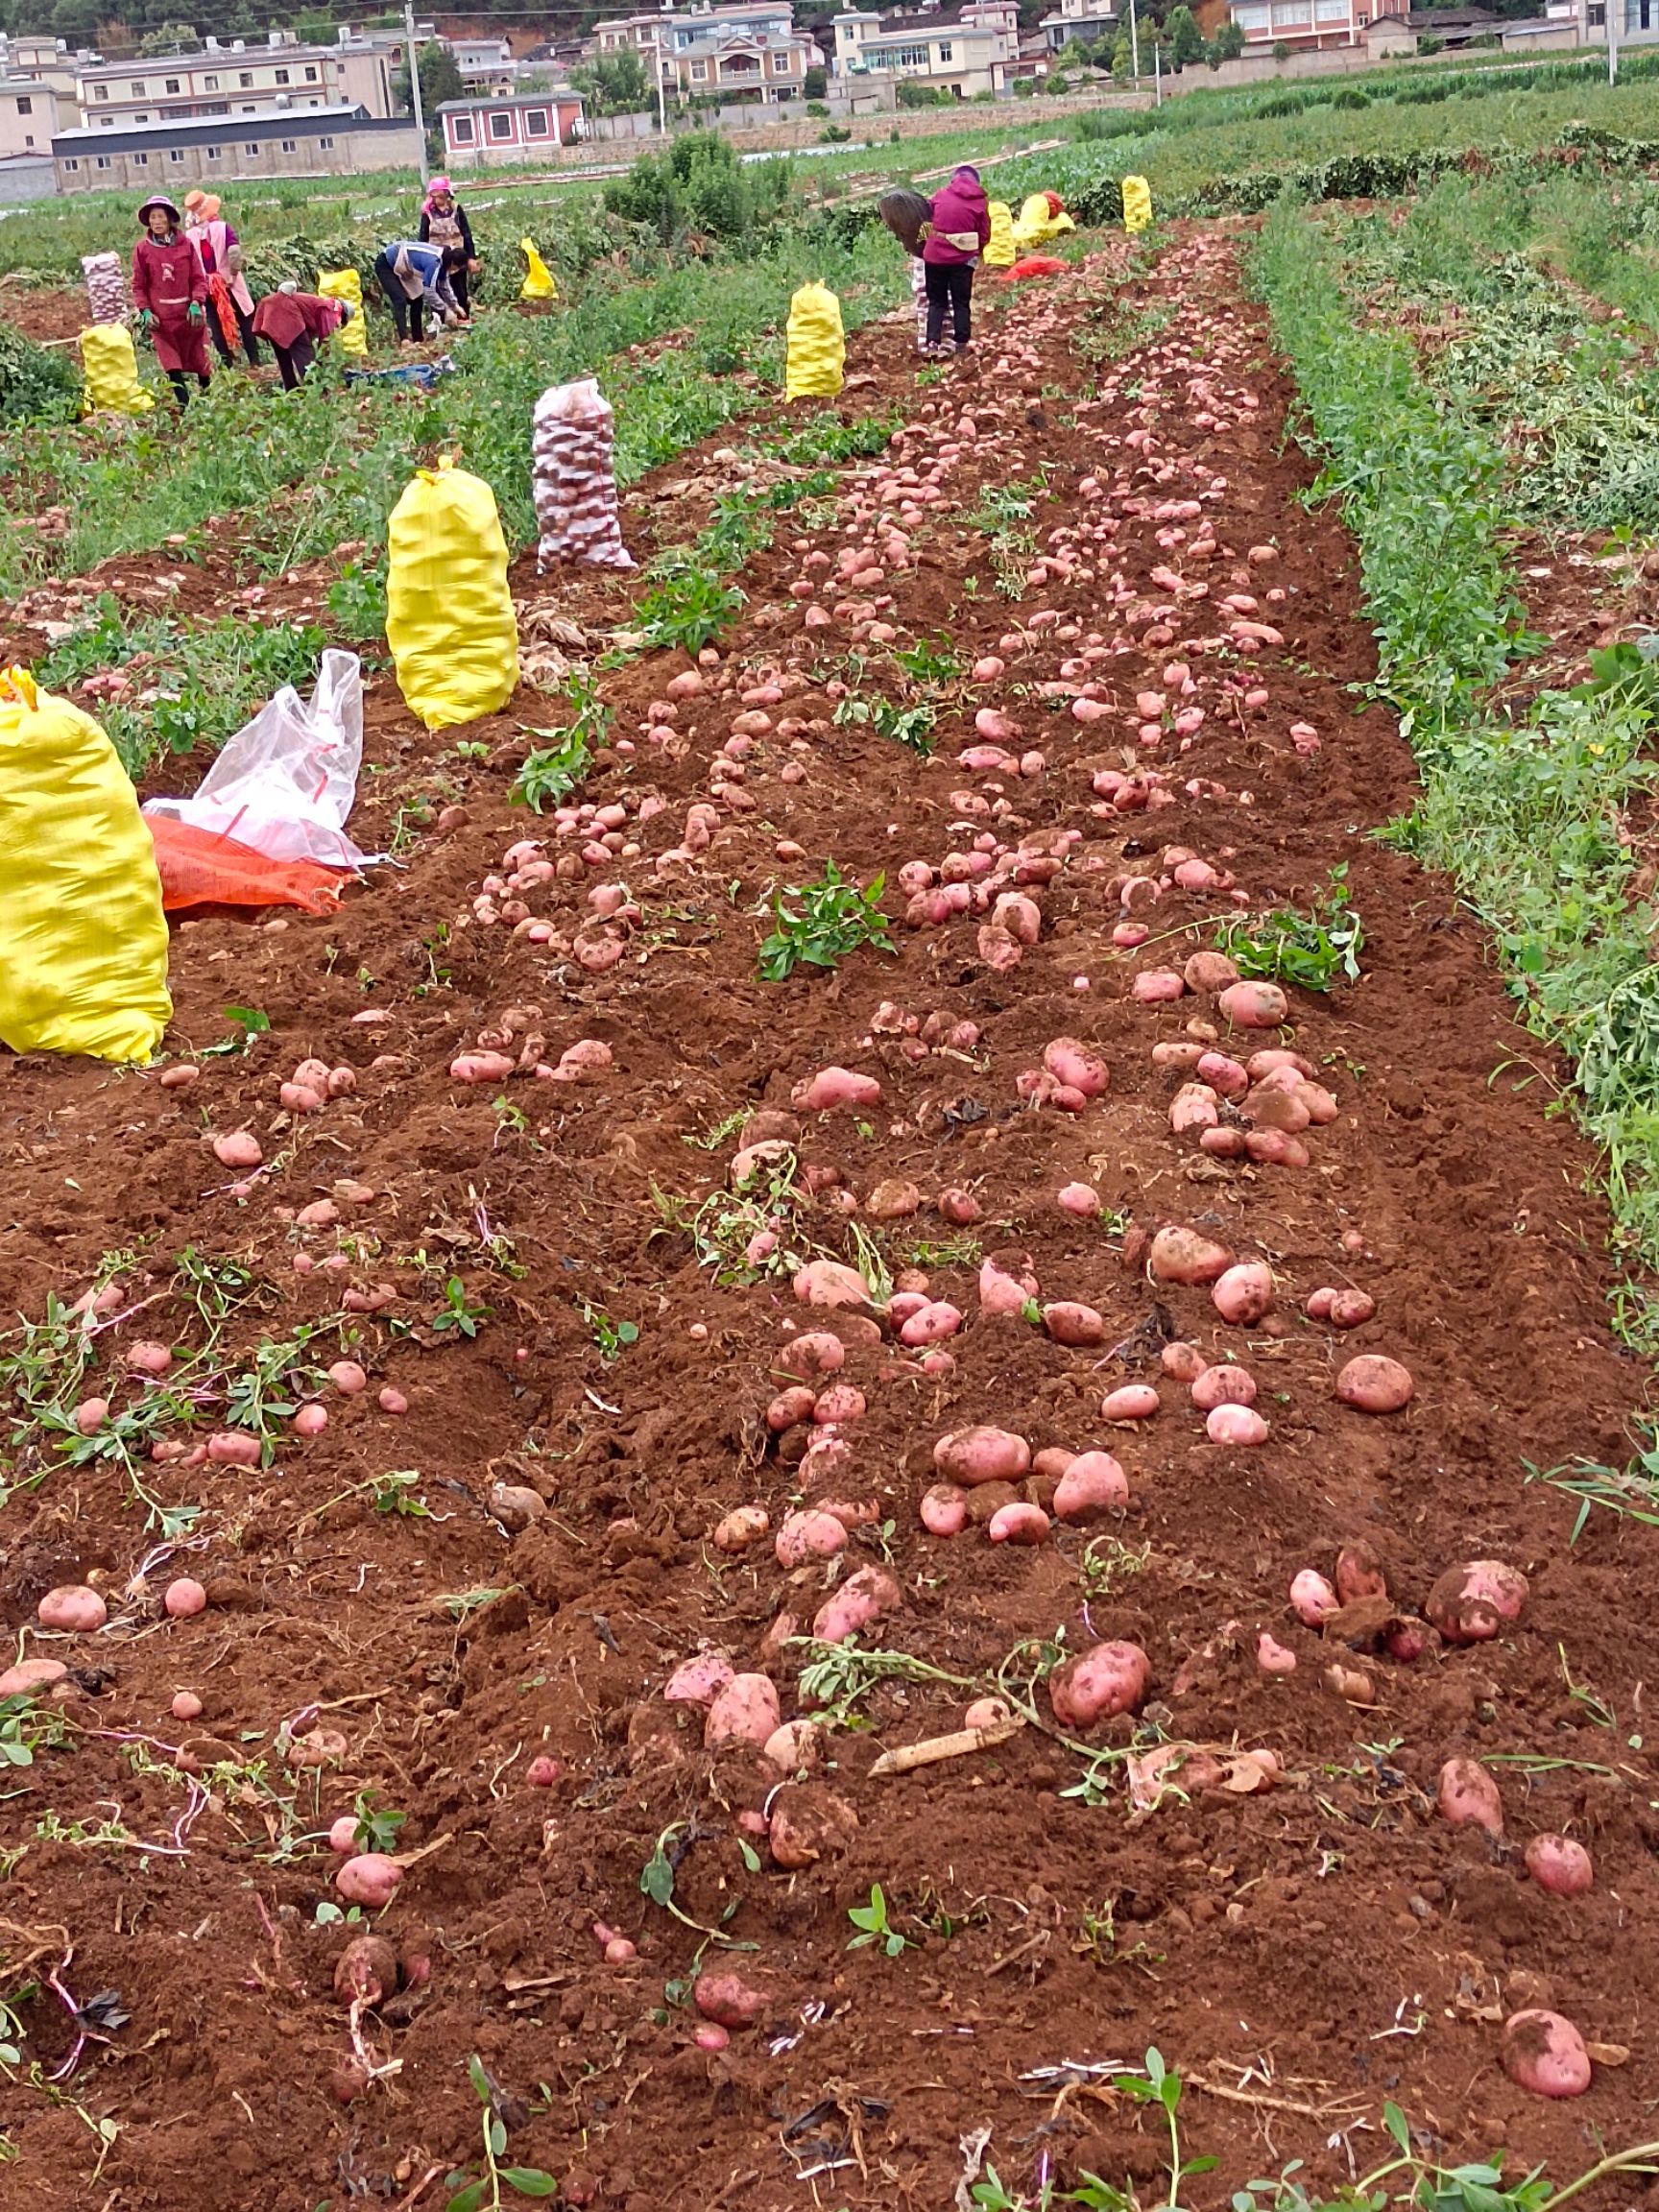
column 574, row 480
column 287, row 781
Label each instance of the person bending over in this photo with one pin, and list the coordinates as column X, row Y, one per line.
column 416, row 284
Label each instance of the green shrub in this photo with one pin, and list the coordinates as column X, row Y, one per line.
column 34, row 380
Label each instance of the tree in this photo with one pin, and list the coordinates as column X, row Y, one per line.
column 1228, row 43
column 169, row 38
column 1186, row 39
column 615, row 84
column 1122, row 58
column 440, row 81
column 817, row 81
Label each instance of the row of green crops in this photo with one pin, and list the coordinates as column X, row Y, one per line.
column 1524, row 812
column 302, row 472
column 1566, row 389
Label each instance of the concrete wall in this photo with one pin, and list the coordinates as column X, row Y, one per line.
column 352, row 153
column 27, row 177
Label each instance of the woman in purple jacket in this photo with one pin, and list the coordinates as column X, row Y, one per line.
column 959, row 234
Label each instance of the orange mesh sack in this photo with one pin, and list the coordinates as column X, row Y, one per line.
column 205, row 868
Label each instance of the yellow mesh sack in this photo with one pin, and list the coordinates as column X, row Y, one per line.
column 110, row 367
column 1001, row 253
column 1137, row 204
column 817, row 347
column 1036, row 226
column 83, row 938
column 346, row 284
column 538, row 282
column 450, row 618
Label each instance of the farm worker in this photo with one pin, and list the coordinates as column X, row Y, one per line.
column 959, row 234
column 443, row 224
column 231, row 303
column 907, row 215
column 413, row 277
column 170, row 291
column 296, row 323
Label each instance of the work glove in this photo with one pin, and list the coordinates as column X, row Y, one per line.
column 196, row 314
column 146, row 321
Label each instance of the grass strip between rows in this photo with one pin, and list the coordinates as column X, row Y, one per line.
column 1525, row 812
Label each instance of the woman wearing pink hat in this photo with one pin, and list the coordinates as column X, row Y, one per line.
column 230, row 304
column 443, row 224
column 170, row 291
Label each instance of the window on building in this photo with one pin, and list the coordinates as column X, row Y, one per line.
column 25, row 105
column 28, row 138
column 944, row 50
column 100, row 91
column 246, row 80
column 1330, row 11
column 213, row 153
column 140, row 160
column 310, row 74
column 139, row 89
column 281, row 76
column 290, row 145
column 699, row 72
column 500, row 125
column 327, row 144
column 459, row 129
column 170, row 84
column 1287, row 13
column 536, row 123
column 249, row 149
column 175, row 153
column 71, row 164
column 209, row 84
column 103, row 160
column 1250, row 19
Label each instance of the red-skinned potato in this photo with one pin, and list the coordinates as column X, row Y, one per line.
column 700, row 1679
column 1099, row 1684
column 1371, row 1384
column 790, row 1409
column 1470, row 1602
column 1130, row 1402
column 830, row 1283
column 859, row 1603
column 1313, row 1599
column 743, row 1526
column 970, row 1455
column 1319, row 1303
column 1223, row 1386
column 74, row 1607
column 1019, row 1523
column 1184, row 1363
column 1360, row 1572
column 1243, row 1295
column 366, row 1971
column 1074, row 1326
column 727, row 1999
column 1254, row 1006
column 1183, row 1256
column 1073, row 1063
column 1560, row 1867
column 1468, row 1797
column 807, row 1536
column 944, row 1509
column 745, row 1712
column 1545, row 2053
column 1093, row 1485
column 815, row 1352
column 1237, row 1426
column 808, row 1822
column 1351, row 1309
column 833, row 1087
column 370, row 1878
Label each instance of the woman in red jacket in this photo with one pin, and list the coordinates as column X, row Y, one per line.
column 170, row 291
column 960, row 233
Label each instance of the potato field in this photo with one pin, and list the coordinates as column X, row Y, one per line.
column 883, row 1443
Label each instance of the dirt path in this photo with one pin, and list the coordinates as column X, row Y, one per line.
column 1299, row 1954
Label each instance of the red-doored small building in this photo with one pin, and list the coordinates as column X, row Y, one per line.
column 516, row 128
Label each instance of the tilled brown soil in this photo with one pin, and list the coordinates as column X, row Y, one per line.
column 1299, row 1954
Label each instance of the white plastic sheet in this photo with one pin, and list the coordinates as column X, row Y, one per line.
column 287, row 782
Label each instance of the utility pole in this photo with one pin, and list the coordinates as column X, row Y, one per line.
column 415, row 86
column 1157, row 73
column 1135, row 44
column 1613, row 7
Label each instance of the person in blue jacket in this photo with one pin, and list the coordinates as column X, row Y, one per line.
column 416, row 284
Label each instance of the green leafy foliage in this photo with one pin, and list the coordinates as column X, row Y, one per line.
column 551, row 772
column 830, row 919
column 34, row 380
column 688, row 606
column 873, row 1925
column 1316, row 950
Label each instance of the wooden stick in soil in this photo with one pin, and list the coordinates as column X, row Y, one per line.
column 933, row 1748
